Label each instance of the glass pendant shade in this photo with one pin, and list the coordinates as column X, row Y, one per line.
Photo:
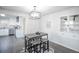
column 35, row 14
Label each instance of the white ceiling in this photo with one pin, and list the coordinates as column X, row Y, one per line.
column 43, row 9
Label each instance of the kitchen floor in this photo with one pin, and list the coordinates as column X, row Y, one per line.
column 11, row 44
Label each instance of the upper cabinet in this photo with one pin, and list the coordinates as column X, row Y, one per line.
column 70, row 23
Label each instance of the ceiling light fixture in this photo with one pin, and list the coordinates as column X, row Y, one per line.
column 35, row 14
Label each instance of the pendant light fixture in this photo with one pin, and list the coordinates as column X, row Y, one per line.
column 35, row 14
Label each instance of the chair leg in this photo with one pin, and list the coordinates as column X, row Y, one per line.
column 43, row 47
column 34, row 48
column 40, row 47
column 48, row 46
column 25, row 45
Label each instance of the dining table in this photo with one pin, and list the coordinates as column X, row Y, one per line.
column 35, row 36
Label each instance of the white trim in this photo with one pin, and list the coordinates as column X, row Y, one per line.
column 66, row 46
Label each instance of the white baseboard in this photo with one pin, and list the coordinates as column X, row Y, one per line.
column 66, row 46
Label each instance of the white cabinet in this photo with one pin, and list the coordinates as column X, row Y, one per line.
column 4, row 32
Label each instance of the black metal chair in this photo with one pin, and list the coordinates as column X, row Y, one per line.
column 36, row 46
column 45, row 45
column 33, row 45
column 30, row 46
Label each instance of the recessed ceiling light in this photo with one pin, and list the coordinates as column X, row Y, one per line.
column 2, row 14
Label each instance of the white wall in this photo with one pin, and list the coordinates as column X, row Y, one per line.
column 69, row 40
column 32, row 26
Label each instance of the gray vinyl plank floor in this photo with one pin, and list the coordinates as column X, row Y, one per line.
column 10, row 44
column 61, row 49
